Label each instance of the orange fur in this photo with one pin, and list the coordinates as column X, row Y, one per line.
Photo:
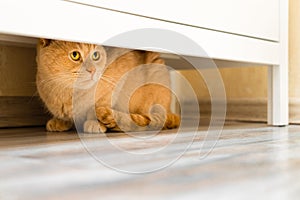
column 129, row 110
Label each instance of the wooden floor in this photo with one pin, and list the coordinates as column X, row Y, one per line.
column 249, row 161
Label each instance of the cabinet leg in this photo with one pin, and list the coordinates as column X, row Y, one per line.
column 278, row 114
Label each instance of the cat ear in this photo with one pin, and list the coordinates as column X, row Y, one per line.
column 44, row 42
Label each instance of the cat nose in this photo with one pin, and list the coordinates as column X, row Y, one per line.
column 91, row 70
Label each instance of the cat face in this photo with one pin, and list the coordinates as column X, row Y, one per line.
column 71, row 64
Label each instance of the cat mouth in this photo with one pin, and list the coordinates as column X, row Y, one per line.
column 84, row 83
column 89, row 80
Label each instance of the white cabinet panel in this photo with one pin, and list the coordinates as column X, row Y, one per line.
column 76, row 22
column 254, row 18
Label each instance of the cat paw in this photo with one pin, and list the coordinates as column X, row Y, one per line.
column 173, row 121
column 93, row 126
column 55, row 124
column 105, row 116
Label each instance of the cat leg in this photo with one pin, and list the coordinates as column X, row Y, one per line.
column 172, row 121
column 92, row 125
column 161, row 121
column 120, row 121
column 136, row 122
column 56, row 124
column 105, row 116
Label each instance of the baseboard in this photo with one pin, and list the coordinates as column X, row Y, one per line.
column 247, row 110
column 294, row 108
column 20, row 111
column 254, row 110
column 240, row 109
column 29, row 111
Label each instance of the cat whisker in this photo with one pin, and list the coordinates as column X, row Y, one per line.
column 58, row 88
column 64, row 83
column 53, row 81
column 114, row 83
column 108, row 81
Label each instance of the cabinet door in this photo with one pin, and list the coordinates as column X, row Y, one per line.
column 253, row 18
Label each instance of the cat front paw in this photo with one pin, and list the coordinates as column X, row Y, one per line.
column 105, row 116
column 94, row 126
column 58, row 125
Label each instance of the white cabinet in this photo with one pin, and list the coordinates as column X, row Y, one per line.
column 249, row 31
column 253, row 18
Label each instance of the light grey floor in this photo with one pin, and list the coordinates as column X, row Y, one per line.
column 247, row 161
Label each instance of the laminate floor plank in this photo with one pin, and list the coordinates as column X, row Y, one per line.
column 248, row 161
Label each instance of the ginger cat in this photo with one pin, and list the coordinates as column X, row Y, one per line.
column 103, row 88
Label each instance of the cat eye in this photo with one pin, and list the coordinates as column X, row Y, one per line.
column 75, row 55
column 96, row 56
